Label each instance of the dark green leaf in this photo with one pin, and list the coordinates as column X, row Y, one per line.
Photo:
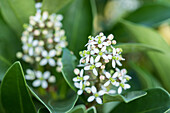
column 150, row 37
column 52, row 6
column 4, row 65
column 128, row 97
column 137, row 47
column 55, row 106
column 91, row 110
column 43, row 110
column 150, row 15
column 78, row 24
column 79, row 109
column 17, row 12
column 15, row 97
column 156, row 101
column 68, row 61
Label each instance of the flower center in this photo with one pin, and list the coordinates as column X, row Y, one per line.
column 112, row 80
column 96, row 95
column 92, row 67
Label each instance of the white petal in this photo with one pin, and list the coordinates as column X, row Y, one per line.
column 115, row 75
column 114, row 51
column 29, row 77
column 101, row 92
column 52, row 53
column 87, row 68
column 99, row 100
column 43, row 62
column 38, row 74
column 97, row 58
column 75, row 79
column 103, row 49
column 35, row 43
column 44, row 84
column 109, row 56
column 91, row 98
column 87, row 59
column 98, row 64
column 126, row 86
column 93, row 89
column 100, row 45
column 105, row 57
column 112, row 92
column 52, row 62
column 44, row 53
column 118, row 63
column 103, row 38
column 119, row 90
column 113, row 63
column 81, row 60
column 36, row 83
column 77, row 85
column 46, row 75
column 96, row 50
column 29, row 71
column 107, row 74
column 79, row 92
column 95, row 71
column 92, row 60
column 81, row 73
column 107, row 83
column 31, row 51
column 86, row 77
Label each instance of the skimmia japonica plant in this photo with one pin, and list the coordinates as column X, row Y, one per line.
column 94, row 78
column 42, row 43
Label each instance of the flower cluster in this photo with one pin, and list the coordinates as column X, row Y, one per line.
column 42, row 43
column 93, row 78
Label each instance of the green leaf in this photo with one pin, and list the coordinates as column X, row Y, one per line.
column 137, row 47
column 78, row 24
column 156, row 101
column 68, row 61
column 79, row 109
column 53, row 6
column 148, row 14
column 43, row 110
column 54, row 106
column 148, row 36
column 91, row 110
column 4, row 65
column 17, row 12
column 127, row 97
column 148, row 80
column 15, row 97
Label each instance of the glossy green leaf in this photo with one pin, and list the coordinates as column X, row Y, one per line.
column 148, row 36
column 68, row 61
column 54, row 106
column 148, row 80
column 15, row 97
column 52, row 6
column 91, row 110
column 156, row 101
column 137, row 47
column 17, row 12
column 79, row 109
column 4, row 65
column 127, row 97
column 78, row 24
column 43, row 110
column 150, row 15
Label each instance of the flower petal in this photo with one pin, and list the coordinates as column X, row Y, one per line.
column 77, row 85
column 126, row 86
column 97, row 58
column 44, row 84
column 95, row 71
column 38, row 74
column 81, row 73
column 75, row 79
column 118, row 63
column 46, row 75
column 87, row 68
column 86, row 77
column 107, row 74
column 92, row 60
column 103, row 49
column 101, row 92
column 79, row 92
column 115, row 75
column 91, row 98
column 99, row 100
column 113, row 63
column 119, row 90
column 107, row 83
column 31, row 51
column 44, row 53
column 36, row 83
column 43, row 62
column 98, row 64
column 93, row 89
column 52, row 62
column 52, row 53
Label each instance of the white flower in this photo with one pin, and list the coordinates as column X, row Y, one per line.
column 30, row 74
column 41, row 79
column 48, row 58
column 111, row 79
column 81, row 86
column 81, row 78
column 96, row 95
column 108, row 90
column 93, row 65
column 124, row 86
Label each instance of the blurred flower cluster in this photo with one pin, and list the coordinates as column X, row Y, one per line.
column 42, row 43
column 93, row 77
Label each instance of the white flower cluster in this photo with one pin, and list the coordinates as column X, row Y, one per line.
column 93, row 78
column 42, row 43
